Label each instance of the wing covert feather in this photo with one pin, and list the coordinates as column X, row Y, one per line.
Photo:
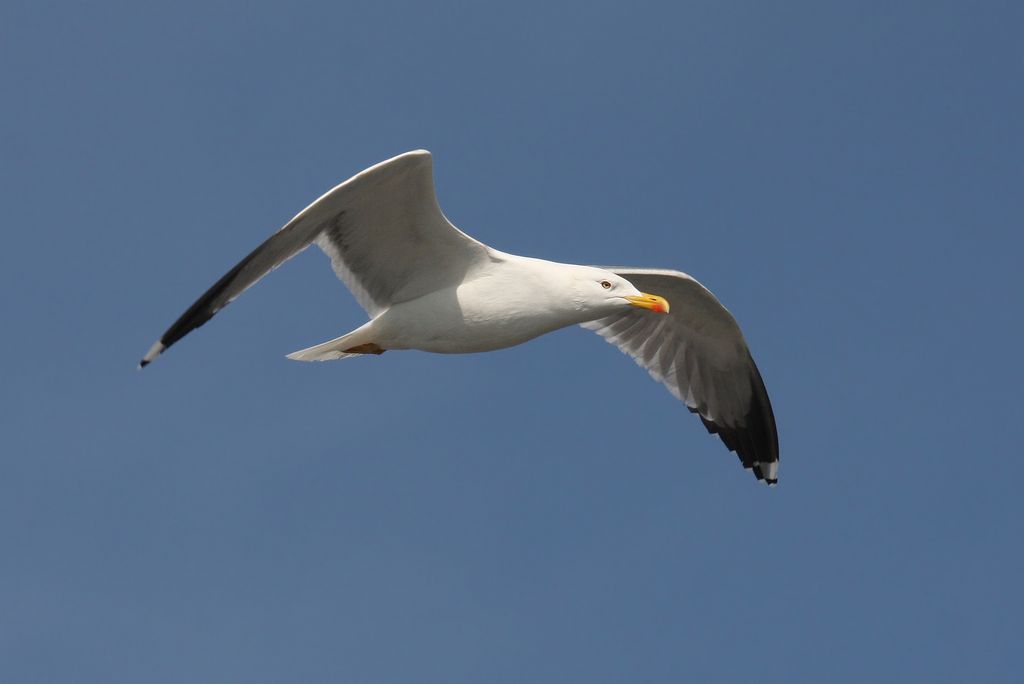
column 698, row 352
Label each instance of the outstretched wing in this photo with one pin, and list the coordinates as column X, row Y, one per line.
column 699, row 353
column 386, row 236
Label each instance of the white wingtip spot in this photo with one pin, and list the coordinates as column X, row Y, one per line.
column 153, row 352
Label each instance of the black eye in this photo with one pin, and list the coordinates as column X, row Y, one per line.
column 606, row 285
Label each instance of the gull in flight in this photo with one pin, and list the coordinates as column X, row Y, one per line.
column 427, row 285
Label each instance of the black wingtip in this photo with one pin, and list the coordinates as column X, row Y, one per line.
column 143, row 363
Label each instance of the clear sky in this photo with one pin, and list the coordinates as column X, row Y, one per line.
column 846, row 177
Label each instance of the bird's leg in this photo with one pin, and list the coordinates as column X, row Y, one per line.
column 368, row 348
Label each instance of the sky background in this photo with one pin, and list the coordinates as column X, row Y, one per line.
column 846, row 177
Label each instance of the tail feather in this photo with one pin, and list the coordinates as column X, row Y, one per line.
column 355, row 343
column 328, row 351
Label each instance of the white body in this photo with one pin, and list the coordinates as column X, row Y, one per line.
column 463, row 319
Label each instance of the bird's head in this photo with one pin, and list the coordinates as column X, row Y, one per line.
column 606, row 293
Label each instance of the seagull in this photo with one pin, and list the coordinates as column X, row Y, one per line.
column 427, row 285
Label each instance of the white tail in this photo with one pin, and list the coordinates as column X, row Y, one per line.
column 328, row 351
column 336, row 348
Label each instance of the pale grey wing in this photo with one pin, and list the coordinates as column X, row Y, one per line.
column 387, row 238
column 698, row 352
column 384, row 232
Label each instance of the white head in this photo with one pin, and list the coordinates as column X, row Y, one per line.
column 604, row 293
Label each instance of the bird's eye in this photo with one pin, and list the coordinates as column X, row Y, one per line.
column 606, row 285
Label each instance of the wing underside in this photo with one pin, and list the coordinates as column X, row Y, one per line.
column 698, row 352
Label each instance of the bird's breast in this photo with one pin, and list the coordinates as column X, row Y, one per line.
column 473, row 317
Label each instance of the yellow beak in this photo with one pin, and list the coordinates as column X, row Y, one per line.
column 649, row 301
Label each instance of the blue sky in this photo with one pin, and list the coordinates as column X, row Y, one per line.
column 845, row 176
